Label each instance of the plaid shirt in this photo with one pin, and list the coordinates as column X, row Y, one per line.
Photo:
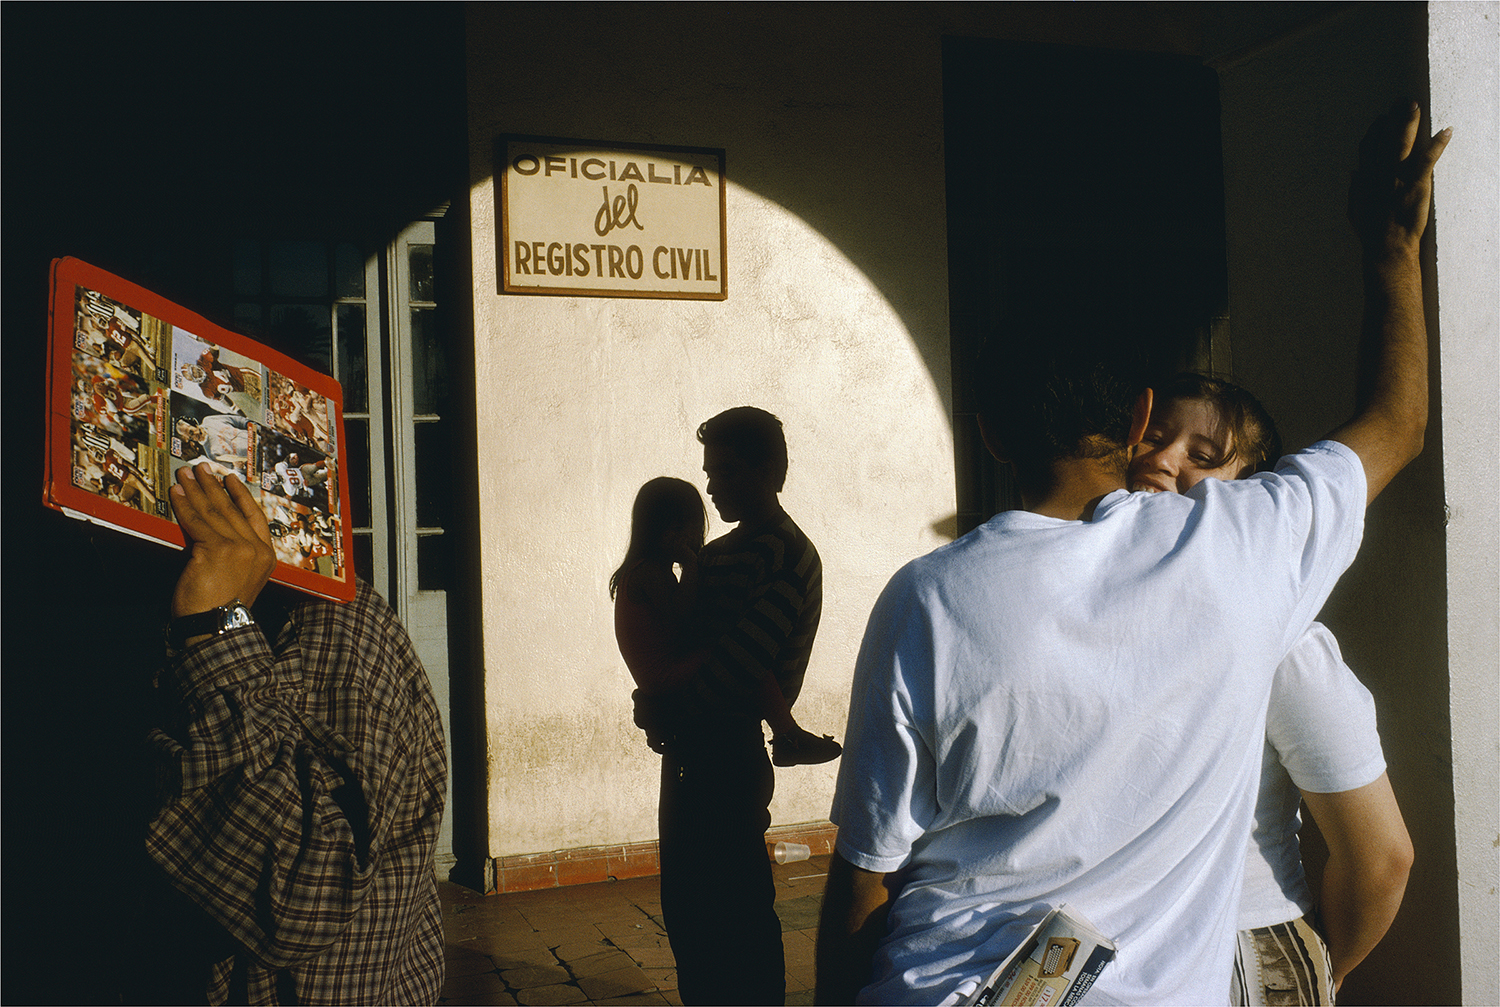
column 302, row 788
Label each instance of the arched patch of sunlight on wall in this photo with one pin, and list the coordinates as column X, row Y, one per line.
column 803, row 325
column 863, row 360
column 587, row 397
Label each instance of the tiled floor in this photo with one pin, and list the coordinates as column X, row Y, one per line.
column 599, row 944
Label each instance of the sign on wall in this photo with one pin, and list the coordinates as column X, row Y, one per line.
column 597, row 219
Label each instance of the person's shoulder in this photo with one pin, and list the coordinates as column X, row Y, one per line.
column 790, row 531
column 368, row 599
column 1325, row 449
column 919, row 574
column 359, row 643
column 718, row 545
column 718, row 551
column 1325, row 460
column 365, row 617
column 781, row 545
column 918, row 589
column 777, row 534
column 1315, row 664
column 735, row 544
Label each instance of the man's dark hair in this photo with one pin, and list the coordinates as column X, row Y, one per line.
column 1050, row 390
column 753, row 434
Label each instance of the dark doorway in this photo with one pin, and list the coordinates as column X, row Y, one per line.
column 1083, row 184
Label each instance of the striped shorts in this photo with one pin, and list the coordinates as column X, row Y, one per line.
column 1282, row 964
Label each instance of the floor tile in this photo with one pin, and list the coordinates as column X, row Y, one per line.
column 660, row 957
column 662, row 979
column 459, row 962
column 618, row 983
column 547, row 995
column 799, row 913
column 570, row 928
column 638, row 936
column 599, row 944
column 578, row 950
column 471, row 987
column 487, row 1000
column 534, row 976
column 520, row 958
column 606, row 961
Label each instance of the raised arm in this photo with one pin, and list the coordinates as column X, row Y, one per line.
column 1389, row 201
column 267, row 820
column 262, row 820
column 1369, row 858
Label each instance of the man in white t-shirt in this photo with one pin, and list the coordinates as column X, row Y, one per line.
column 1026, row 729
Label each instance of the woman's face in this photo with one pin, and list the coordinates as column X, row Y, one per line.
column 1186, row 442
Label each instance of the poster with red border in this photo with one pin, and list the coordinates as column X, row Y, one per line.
column 138, row 387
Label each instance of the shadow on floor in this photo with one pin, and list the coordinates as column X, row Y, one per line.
column 599, row 944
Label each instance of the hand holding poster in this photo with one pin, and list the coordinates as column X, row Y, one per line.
column 138, row 387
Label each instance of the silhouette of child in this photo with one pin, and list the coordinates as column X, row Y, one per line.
column 654, row 616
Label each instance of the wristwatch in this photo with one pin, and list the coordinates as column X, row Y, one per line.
column 216, row 622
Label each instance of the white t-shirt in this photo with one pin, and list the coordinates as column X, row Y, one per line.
column 1321, row 738
column 1052, row 711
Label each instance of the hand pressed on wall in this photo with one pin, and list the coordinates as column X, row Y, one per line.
column 1390, row 193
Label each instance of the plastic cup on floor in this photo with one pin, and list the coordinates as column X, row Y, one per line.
column 790, row 853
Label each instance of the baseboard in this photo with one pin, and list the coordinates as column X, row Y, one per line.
column 589, row 865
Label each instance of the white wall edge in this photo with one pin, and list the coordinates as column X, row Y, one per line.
column 1464, row 59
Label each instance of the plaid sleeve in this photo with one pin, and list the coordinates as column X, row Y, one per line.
column 263, row 822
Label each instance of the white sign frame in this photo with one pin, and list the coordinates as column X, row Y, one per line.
column 593, row 218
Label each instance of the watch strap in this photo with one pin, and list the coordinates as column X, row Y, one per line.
column 214, row 622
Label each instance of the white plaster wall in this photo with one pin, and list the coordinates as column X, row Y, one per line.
column 583, row 399
column 1464, row 52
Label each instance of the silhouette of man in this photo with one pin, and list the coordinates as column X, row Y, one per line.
column 760, row 593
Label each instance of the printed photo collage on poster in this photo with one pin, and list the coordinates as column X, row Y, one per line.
column 149, row 398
